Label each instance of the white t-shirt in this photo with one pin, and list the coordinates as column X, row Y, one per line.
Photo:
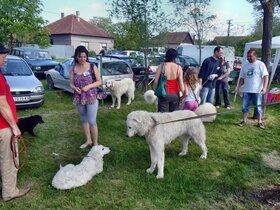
column 191, row 96
column 253, row 74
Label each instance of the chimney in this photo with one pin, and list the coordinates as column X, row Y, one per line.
column 78, row 15
column 62, row 15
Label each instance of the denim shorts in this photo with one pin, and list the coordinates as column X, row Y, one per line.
column 256, row 99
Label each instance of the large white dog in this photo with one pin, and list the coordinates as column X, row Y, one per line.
column 71, row 176
column 118, row 88
column 158, row 133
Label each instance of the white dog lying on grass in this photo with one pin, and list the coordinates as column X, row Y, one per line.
column 118, row 88
column 71, row 176
column 157, row 133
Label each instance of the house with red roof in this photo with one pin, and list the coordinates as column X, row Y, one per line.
column 74, row 31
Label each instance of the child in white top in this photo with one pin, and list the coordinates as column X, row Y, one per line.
column 191, row 92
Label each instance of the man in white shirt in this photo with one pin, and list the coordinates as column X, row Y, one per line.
column 254, row 76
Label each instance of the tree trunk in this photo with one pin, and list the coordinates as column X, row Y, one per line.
column 268, row 10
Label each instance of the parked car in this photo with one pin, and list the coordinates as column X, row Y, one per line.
column 132, row 53
column 186, row 62
column 26, row 89
column 38, row 59
column 112, row 68
column 136, row 65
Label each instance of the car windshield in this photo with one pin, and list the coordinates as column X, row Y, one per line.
column 37, row 55
column 15, row 67
column 115, row 68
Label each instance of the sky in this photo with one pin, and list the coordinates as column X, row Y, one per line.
column 240, row 12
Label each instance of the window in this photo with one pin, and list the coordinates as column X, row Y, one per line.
column 103, row 46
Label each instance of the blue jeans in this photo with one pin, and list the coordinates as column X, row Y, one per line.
column 256, row 99
column 88, row 113
column 207, row 95
column 224, row 86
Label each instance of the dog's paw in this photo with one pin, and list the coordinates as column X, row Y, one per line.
column 118, row 107
column 160, row 176
column 112, row 106
column 150, row 170
column 182, row 154
column 203, row 156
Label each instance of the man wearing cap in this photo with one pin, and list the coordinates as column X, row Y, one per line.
column 8, row 131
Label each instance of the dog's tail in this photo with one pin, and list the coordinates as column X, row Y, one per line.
column 150, row 97
column 206, row 108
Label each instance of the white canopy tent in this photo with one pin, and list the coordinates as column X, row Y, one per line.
column 258, row 44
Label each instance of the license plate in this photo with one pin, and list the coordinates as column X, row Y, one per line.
column 21, row 99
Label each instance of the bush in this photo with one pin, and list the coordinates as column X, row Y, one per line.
column 91, row 53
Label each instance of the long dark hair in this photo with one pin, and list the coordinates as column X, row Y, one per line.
column 80, row 49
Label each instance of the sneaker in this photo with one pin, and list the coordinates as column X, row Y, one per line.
column 243, row 123
column 260, row 125
column 217, row 107
column 21, row 193
column 228, row 107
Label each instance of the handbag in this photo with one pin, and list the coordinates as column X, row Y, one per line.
column 101, row 94
column 161, row 87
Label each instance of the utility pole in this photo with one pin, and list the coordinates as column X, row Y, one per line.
column 228, row 32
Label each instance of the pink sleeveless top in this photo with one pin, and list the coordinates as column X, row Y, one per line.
column 88, row 97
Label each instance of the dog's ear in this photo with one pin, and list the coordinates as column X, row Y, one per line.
column 154, row 120
column 137, row 120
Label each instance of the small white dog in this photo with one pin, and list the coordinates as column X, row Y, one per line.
column 71, row 176
column 118, row 88
column 157, row 133
column 207, row 108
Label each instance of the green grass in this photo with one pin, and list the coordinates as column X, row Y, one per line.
column 234, row 166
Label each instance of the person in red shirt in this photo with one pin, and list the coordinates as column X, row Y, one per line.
column 8, row 131
column 174, row 82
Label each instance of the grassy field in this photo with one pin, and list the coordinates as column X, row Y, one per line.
column 232, row 177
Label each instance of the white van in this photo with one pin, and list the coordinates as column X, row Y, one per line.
column 206, row 51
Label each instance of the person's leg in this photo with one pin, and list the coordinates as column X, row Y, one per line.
column 163, row 105
column 203, row 95
column 174, row 100
column 210, row 95
column 91, row 115
column 225, row 89
column 257, row 101
column 82, row 109
column 8, row 169
column 245, row 105
column 217, row 93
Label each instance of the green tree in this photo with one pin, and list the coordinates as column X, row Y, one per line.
column 267, row 8
column 20, row 22
column 194, row 15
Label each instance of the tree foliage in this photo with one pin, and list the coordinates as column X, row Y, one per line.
column 20, row 22
column 194, row 15
column 141, row 20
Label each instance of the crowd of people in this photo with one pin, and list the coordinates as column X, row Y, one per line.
column 196, row 88
column 205, row 85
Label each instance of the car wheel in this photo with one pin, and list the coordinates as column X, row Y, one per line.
column 50, row 82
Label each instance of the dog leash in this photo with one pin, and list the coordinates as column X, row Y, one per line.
column 14, row 150
column 211, row 114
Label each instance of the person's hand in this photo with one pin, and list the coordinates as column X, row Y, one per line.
column 238, row 91
column 212, row 76
column 219, row 78
column 85, row 89
column 263, row 91
column 78, row 90
column 16, row 131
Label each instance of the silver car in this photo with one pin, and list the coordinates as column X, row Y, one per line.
column 112, row 68
column 26, row 89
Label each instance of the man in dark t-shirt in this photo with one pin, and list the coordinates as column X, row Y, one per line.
column 208, row 73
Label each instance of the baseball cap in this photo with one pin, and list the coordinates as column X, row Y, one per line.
column 3, row 49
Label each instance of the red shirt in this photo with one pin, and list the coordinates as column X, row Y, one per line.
column 5, row 91
column 172, row 86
